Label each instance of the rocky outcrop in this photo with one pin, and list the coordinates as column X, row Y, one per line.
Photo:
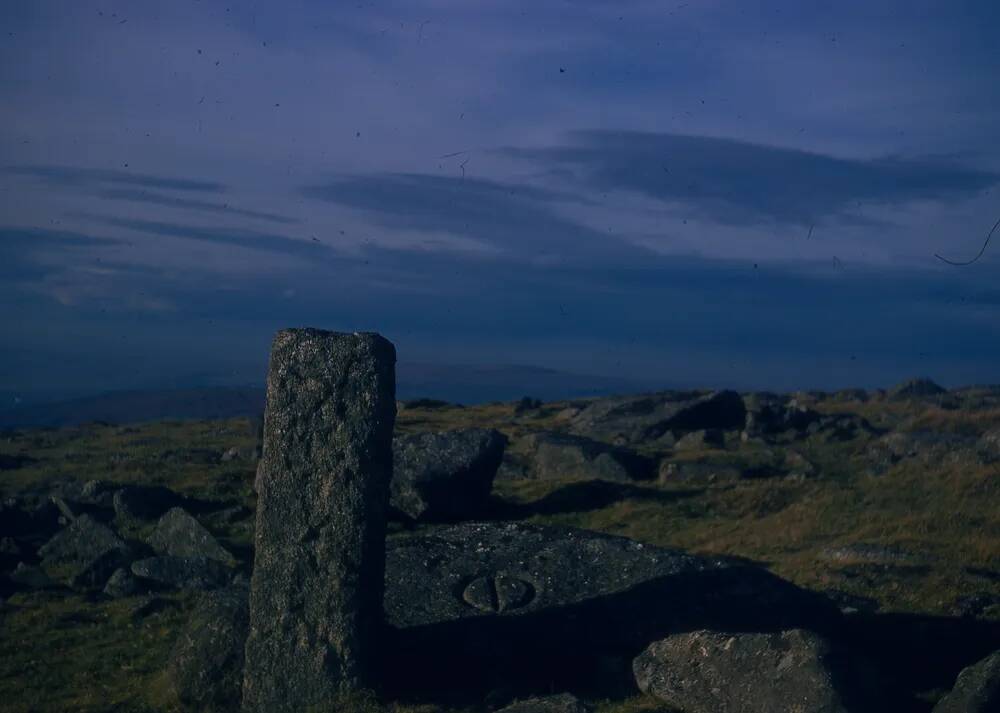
column 711, row 672
column 977, row 689
column 84, row 554
column 445, row 476
column 559, row 455
column 916, row 389
column 323, row 493
column 636, row 419
column 143, row 502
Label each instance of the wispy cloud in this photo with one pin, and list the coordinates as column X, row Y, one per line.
column 158, row 199
column 89, row 177
column 742, row 183
column 521, row 220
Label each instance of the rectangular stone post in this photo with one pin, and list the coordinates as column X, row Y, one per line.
column 323, row 489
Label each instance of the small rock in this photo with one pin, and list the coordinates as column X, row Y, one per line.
column 180, row 535
column 977, row 689
column 205, row 669
column 701, row 439
column 65, row 510
column 183, row 572
column 231, row 455
column 562, row 703
column 559, row 456
column 121, row 584
column 526, row 404
column 30, row 577
column 711, row 672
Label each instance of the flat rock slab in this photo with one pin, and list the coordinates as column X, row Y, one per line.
column 445, row 476
column 484, row 604
column 712, row 672
column 179, row 534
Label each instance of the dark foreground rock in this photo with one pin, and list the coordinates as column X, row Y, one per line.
column 711, row 672
column 323, row 493
column 445, row 476
column 84, row 554
column 977, row 689
column 559, row 455
column 197, row 573
column 481, row 605
column 179, row 534
column 476, row 607
column 562, row 703
column 205, row 670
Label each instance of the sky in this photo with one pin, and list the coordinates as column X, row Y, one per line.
column 704, row 193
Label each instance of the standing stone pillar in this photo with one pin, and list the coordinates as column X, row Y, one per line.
column 323, row 491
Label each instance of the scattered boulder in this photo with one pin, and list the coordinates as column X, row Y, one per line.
column 977, row 689
column 701, row 440
column 562, row 703
column 143, row 502
column 205, row 670
column 98, row 493
column 318, row 578
column 30, row 577
column 231, row 454
column 711, row 672
column 915, row 389
column 445, row 476
column 671, row 471
column 179, row 534
column 84, row 554
column 635, row 419
column 560, row 455
column 67, row 512
column 183, row 572
column 121, row 583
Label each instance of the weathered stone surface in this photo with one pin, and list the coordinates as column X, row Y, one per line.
column 179, row 534
column 977, row 689
column 559, row 455
column 562, row 703
column 122, row 583
column 316, row 590
column 476, row 602
column 205, row 670
column 445, row 476
column 143, row 502
column 183, row 572
column 84, row 554
column 634, row 419
column 711, row 672
column 480, row 605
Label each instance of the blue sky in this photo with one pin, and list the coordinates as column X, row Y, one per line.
column 684, row 193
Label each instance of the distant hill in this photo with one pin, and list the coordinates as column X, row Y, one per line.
column 455, row 383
